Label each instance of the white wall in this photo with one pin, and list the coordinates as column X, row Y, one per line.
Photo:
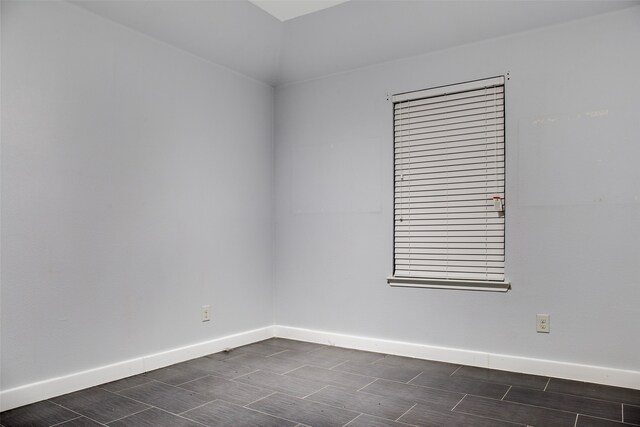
column 573, row 199
column 136, row 187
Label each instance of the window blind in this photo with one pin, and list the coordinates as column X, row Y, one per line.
column 449, row 156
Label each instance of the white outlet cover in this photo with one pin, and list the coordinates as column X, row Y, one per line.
column 542, row 323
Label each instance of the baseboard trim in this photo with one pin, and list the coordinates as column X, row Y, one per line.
column 553, row 368
column 34, row 392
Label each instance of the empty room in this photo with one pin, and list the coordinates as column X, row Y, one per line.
column 320, row 213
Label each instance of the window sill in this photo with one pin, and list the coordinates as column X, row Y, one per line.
column 465, row 285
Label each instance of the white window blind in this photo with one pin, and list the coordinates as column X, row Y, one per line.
column 449, row 153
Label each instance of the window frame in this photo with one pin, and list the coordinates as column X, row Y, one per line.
column 447, row 283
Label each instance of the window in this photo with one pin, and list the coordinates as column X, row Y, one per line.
column 449, row 157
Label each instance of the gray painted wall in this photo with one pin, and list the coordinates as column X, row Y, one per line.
column 136, row 187
column 572, row 202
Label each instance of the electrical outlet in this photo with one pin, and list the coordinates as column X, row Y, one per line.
column 542, row 323
column 206, row 313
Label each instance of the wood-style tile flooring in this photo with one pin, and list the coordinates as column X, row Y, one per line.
column 280, row 382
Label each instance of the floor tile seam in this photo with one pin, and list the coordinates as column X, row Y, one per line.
column 384, row 396
column 275, row 416
column 434, row 388
column 126, row 388
column 457, row 369
column 66, row 421
column 335, row 366
column 291, row 395
column 510, row 421
column 310, row 394
column 378, row 396
column 314, row 401
column 522, row 404
column 129, row 415
column 580, row 396
column 309, row 398
column 194, row 408
column 464, row 378
column 456, row 405
column 607, row 419
column 512, row 384
column 553, row 409
column 277, row 352
column 188, row 419
column 284, row 376
column 406, row 412
column 377, row 360
column 268, row 369
column 345, row 425
column 409, row 382
column 261, row 387
column 506, row 392
column 161, row 383
column 257, row 400
column 162, row 410
column 195, row 379
column 307, row 362
column 367, row 385
column 244, row 375
column 327, row 369
column 575, row 423
column 198, row 379
column 593, row 397
column 371, row 376
column 74, row 411
column 209, row 400
column 294, row 369
column 273, row 391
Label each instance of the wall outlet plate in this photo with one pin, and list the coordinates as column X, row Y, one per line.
column 206, row 313
column 542, row 323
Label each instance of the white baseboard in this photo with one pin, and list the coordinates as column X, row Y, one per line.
column 547, row 368
column 34, row 392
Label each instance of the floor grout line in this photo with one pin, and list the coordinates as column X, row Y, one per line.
column 195, row 407
column 456, row 405
column 457, row 369
column 75, row 412
column 271, row 415
column 506, row 392
column 316, row 391
column 244, row 375
column 359, row 415
column 278, row 352
column 405, row 412
column 547, row 385
column 134, row 413
column 576, row 422
column 294, row 369
column 622, row 409
column 341, row 363
column 366, row 385
column 66, row 421
column 258, row 400
column 409, row 382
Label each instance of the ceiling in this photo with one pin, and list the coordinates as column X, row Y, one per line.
column 289, row 9
column 243, row 37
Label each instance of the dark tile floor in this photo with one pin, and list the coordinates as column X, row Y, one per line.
column 281, row 382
